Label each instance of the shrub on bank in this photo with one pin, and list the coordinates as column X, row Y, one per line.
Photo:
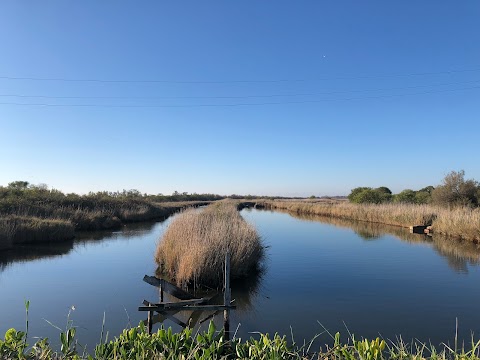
column 456, row 191
column 367, row 195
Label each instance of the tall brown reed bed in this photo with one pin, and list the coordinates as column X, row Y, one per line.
column 192, row 250
column 462, row 223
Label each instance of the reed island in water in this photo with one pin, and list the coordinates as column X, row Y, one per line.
column 193, row 248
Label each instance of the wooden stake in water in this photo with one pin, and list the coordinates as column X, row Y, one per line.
column 161, row 292
column 150, row 322
column 227, row 297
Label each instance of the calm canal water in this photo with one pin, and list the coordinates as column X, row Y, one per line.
column 319, row 273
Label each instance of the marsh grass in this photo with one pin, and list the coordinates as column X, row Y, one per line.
column 7, row 230
column 33, row 229
column 461, row 223
column 39, row 220
column 192, row 250
column 27, row 229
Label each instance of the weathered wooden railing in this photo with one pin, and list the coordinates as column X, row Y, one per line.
column 186, row 301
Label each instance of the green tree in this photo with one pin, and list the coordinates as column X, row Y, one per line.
column 423, row 197
column 18, row 185
column 366, row 195
column 384, row 190
column 370, row 196
column 427, row 189
column 385, row 193
column 355, row 192
column 407, row 196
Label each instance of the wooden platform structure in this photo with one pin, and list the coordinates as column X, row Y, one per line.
column 417, row 229
column 421, row 229
column 186, row 302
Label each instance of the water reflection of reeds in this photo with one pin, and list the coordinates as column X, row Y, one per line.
column 459, row 223
column 32, row 252
column 127, row 232
column 26, row 253
column 458, row 254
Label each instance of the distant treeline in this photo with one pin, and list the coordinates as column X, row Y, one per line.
column 454, row 191
column 23, row 190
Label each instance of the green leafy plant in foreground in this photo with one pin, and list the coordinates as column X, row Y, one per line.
column 13, row 344
column 135, row 344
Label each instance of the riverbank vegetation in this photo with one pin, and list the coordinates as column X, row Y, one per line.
column 193, row 248
column 34, row 213
column 451, row 208
column 459, row 222
column 136, row 343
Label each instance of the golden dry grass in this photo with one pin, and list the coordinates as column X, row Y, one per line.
column 192, row 250
column 463, row 223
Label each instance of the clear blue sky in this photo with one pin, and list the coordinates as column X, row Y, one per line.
column 249, row 97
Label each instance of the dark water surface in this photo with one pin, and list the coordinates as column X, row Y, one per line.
column 374, row 280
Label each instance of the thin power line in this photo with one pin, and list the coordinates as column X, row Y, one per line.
column 232, row 81
column 235, row 97
column 236, row 104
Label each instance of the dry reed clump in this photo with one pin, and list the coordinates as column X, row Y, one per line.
column 461, row 223
column 193, row 247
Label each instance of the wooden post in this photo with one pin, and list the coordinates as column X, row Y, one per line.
column 161, row 291
column 226, row 297
column 150, row 322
